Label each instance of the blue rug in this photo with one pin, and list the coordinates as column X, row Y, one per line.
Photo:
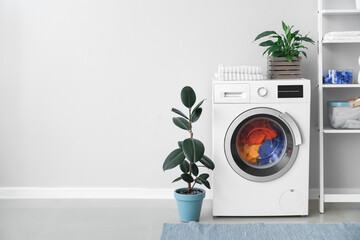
column 259, row 231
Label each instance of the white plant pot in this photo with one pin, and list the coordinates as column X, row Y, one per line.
column 357, row 4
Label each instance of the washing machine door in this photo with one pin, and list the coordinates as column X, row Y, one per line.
column 262, row 144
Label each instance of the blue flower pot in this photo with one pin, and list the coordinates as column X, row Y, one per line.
column 189, row 205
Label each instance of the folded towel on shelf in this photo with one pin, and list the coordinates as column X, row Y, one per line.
column 347, row 33
column 342, row 36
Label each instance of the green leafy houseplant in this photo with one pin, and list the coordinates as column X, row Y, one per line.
column 189, row 155
column 288, row 45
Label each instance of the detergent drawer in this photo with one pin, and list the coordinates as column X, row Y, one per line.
column 232, row 93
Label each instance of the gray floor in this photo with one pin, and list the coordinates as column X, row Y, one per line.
column 126, row 219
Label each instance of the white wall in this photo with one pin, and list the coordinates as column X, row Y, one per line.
column 86, row 87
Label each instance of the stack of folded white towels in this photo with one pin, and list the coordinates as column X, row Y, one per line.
column 238, row 73
column 342, row 36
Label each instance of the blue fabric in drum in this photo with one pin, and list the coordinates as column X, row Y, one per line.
column 259, row 231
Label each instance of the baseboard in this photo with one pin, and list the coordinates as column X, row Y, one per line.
column 119, row 193
column 107, row 193
column 315, row 192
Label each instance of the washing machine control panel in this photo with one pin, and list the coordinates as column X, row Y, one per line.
column 278, row 91
column 267, row 91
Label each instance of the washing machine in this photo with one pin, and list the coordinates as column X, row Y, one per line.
column 261, row 147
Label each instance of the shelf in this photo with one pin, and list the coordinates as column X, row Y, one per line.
column 326, row 17
column 340, row 85
column 328, row 129
column 341, row 41
column 341, row 12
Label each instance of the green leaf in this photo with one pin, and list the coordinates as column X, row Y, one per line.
column 266, row 51
column 204, row 176
column 307, row 39
column 179, row 112
column 205, row 182
column 193, row 149
column 291, row 28
column 180, row 144
column 303, row 53
column 176, row 179
column 207, row 162
column 185, row 166
column 285, row 27
column 274, row 49
column 196, row 115
column 301, row 46
column 181, row 123
column 187, row 178
column 295, row 53
column 288, row 57
column 264, row 34
column 295, row 33
column 277, row 54
column 173, row 159
column 197, row 106
column 198, row 181
column 194, row 169
column 266, row 43
column 188, row 96
column 276, row 36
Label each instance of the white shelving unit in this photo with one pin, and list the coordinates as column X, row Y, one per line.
column 324, row 130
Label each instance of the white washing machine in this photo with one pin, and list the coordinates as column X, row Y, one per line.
column 261, row 147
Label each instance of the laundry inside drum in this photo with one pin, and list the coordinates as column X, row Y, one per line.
column 261, row 142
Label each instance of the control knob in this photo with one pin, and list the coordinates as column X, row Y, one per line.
column 262, row 92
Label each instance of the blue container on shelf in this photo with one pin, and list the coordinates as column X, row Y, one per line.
column 338, row 77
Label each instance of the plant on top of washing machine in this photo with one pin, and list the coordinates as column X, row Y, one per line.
column 189, row 156
column 289, row 45
column 190, row 152
column 284, row 52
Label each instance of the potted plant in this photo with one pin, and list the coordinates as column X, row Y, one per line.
column 189, row 157
column 284, row 52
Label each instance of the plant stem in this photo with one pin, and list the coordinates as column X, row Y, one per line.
column 190, row 125
column 191, row 136
column 189, row 184
column 194, row 183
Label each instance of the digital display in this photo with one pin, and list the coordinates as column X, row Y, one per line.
column 290, row 91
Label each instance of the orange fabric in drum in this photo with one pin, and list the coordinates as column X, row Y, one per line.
column 249, row 153
column 251, row 137
column 257, row 132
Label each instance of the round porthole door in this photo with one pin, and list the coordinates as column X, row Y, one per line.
column 262, row 144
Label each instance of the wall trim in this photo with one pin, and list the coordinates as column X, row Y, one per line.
column 120, row 193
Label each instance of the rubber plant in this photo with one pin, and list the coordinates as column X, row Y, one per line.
column 288, row 45
column 189, row 155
